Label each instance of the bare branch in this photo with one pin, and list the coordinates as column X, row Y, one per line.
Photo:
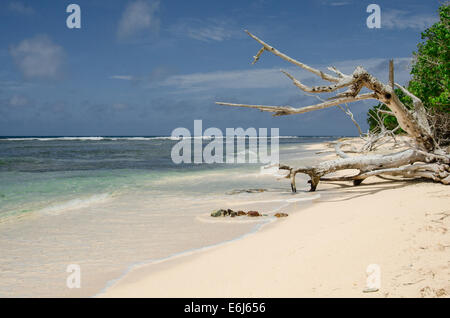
column 335, row 70
column 352, row 118
column 391, row 73
column 271, row 49
column 320, row 89
column 415, row 99
column 386, row 112
column 419, row 110
column 414, row 124
column 273, row 109
column 424, row 159
column 289, row 110
column 396, row 128
column 339, row 151
column 374, row 165
column 429, row 171
column 258, row 55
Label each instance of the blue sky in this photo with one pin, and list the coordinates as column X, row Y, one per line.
column 145, row 67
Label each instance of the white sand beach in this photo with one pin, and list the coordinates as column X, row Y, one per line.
column 322, row 250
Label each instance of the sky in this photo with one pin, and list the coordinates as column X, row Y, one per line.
column 146, row 67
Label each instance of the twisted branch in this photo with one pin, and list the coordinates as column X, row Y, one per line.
column 424, row 159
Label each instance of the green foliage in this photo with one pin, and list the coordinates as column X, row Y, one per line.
column 430, row 71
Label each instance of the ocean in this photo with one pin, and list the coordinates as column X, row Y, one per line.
column 109, row 204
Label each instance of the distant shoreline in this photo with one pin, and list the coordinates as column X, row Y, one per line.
column 143, row 136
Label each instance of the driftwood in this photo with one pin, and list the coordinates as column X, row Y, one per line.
column 422, row 159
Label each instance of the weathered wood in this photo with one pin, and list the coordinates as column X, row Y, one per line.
column 289, row 110
column 433, row 167
column 272, row 50
column 424, row 159
column 391, row 74
column 359, row 78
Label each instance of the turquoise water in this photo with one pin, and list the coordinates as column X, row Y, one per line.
column 40, row 172
column 108, row 203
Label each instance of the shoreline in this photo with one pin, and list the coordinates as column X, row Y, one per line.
column 135, row 267
column 322, row 250
column 259, row 225
column 145, row 218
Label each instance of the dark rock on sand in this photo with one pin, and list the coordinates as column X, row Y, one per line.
column 253, row 213
column 231, row 213
column 220, row 212
column 247, row 191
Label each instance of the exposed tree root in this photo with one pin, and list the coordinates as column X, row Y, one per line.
column 411, row 163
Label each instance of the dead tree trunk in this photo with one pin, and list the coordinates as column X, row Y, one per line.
column 424, row 159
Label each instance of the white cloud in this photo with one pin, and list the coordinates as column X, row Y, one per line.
column 11, row 85
column 379, row 67
column 19, row 7
column 398, row 19
column 257, row 78
column 159, row 73
column 122, row 77
column 18, row 100
column 339, row 4
column 208, row 30
column 38, row 57
column 273, row 78
column 335, row 3
column 119, row 106
column 139, row 16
